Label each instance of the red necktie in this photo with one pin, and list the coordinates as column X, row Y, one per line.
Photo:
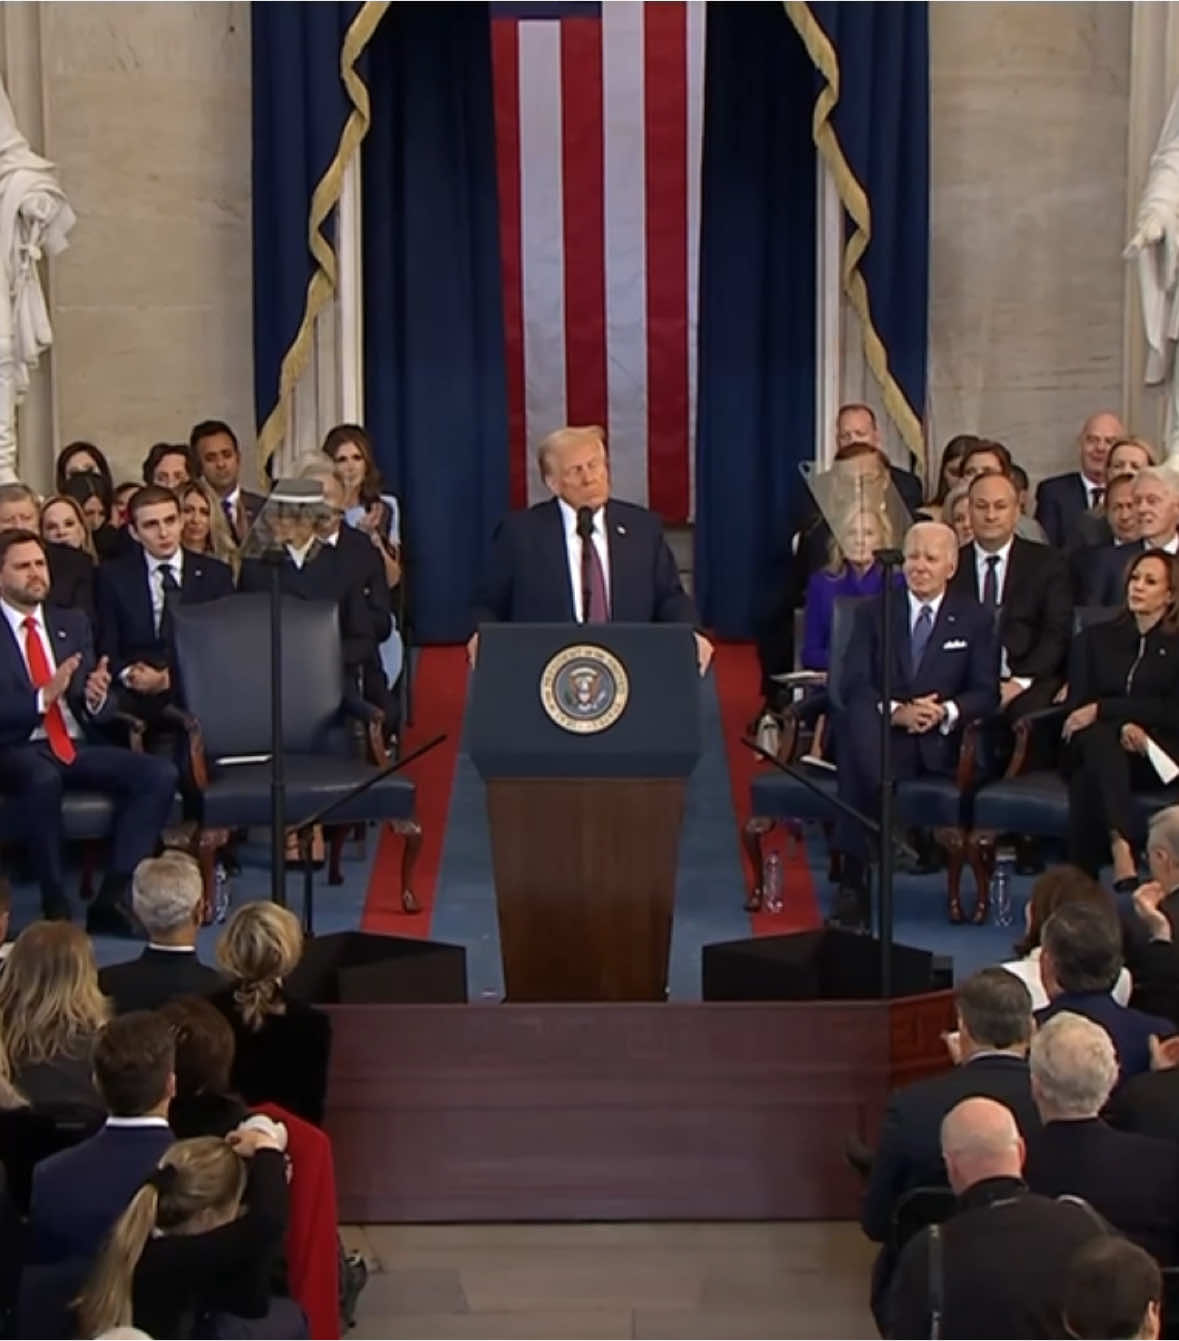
column 55, row 725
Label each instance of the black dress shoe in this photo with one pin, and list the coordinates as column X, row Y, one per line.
column 56, row 908
column 112, row 919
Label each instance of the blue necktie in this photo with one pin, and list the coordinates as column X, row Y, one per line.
column 919, row 638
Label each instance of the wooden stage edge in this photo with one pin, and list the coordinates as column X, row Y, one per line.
column 616, row 1111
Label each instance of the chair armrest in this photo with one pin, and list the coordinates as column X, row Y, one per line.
column 1031, row 723
column 373, row 720
column 198, row 764
column 966, row 773
column 136, row 729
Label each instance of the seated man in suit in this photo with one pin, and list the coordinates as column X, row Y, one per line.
column 79, row 1193
column 166, row 894
column 1004, row 1252
column 1061, row 500
column 994, row 1028
column 1120, row 520
column 582, row 557
column 71, row 572
column 1025, row 586
column 1132, row 1180
column 1080, row 959
column 945, row 674
column 1156, row 507
column 137, row 593
column 54, row 700
column 214, row 445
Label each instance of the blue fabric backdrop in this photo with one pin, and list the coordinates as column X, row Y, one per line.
column 757, row 305
column 434, row 340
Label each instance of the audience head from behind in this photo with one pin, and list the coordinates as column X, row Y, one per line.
column 64, row 523
column 994, row 510
column 166, row 894
column 214, row 447
column 261, row 945
column 994, row 1014
column 1098, row 435
column 135, row 1065
column 169, row 465
column 20, row 508
column 1156, row 505
column 980, row 1140
column 1162, row 847
column 1052, row 889
column 1113, row 1288
column 204, row 1104
column 50, row 1001
column 986, row 457
column 24, row 570
column 86, row 460
column 153, row 515
column 1120, row 511
column 931, row 559
column 1152, row 586
column 350, row 450
column 950, row 470
column 575, row 467
column 956, row 513
column 1081, row 950
column 197, row 1187
column 1073, row 1068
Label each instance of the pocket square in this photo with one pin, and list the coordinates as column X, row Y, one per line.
column 954, row 645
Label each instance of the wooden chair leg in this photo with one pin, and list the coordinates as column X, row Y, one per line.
column 980, row 854
column 337, row 834
column 91, row 851
column 953, row 840
column 752, row 835
column 208, row 843
column 411, row 831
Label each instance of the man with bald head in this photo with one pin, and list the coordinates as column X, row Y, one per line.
column 1063, row 499
column 945, row 673
column 1026, row 589
column 1005, row 1250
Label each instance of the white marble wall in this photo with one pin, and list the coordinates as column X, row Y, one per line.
column 148, row 119
column 1029, row 122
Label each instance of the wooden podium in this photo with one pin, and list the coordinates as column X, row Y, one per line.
column 585, row 819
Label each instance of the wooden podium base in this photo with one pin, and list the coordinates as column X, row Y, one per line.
column 584, row 885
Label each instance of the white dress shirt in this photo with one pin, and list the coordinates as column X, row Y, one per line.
column 16, row 620
column 916, row 605
column 298, row 556
column 573, row 552
column 981, row 557
column 155, row 581
column 1092, row 489
column 147, row 1120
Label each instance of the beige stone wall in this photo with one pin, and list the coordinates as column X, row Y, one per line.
column 1029, row 121
column 148, row 119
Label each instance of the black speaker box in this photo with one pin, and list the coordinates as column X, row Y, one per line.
column 356, row 968
column 823, row 965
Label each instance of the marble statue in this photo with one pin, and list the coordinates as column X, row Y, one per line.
column 34, row 220
column 1155, row 246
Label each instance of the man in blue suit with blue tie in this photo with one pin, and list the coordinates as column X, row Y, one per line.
column 54, row 703
column 582, row 557
column 945, row 673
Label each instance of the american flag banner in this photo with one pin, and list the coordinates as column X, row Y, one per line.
column 599, row 120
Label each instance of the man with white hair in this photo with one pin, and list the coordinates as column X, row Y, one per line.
column 1005, row 1250
column 1132, row 1180
column 945, row 673
column 166, row 895
column 1156, row 507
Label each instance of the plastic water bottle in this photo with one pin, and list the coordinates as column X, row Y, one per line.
column 222, row 893
column 1001, row 887
column 771, row 900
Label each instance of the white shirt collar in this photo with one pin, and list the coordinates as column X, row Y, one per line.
column 1002, row 554
column 151, row 1120
column 172, row 949
column 175, row 563
column 916, row 604
column 16, row 618
column 1089, row 484
column 299, row 555
column 569, row 518
column 232, row 497
column 331, row 539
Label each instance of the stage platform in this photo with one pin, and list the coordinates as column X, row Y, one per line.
column 710, row 1111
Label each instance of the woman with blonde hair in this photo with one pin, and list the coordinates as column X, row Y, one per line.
column 282, row 1044
column 51, row 1011
column 181, row 1260
column 64, row 523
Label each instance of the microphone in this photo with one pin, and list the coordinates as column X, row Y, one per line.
column 585, row 529
column 585, row 522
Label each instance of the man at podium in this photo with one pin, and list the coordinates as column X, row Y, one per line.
column 582, row 556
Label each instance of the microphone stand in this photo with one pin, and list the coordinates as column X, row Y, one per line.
column 889, row 560
column 278, row 849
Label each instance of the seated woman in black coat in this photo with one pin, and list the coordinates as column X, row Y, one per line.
column 282, row 1044
column 1124, row 692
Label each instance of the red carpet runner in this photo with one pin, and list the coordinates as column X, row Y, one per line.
column 737, row 680
column 440, row 690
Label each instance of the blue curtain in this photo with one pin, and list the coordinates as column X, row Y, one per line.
column 757, row 308
column 299, row 110
column 435, row 389
column 881, row 122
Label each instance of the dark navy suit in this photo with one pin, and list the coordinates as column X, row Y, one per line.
column 29, row 772
column 961, row 663
column 1104, row 573
column 1129, row 1029
column 80, row 1192
column 527, row 578
column 1060, row 502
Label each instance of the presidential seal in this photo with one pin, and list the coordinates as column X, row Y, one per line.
column 584, row 688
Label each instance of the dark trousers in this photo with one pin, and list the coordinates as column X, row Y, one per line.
column 858, row 728
column 141, row 785
column 1102, row 780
